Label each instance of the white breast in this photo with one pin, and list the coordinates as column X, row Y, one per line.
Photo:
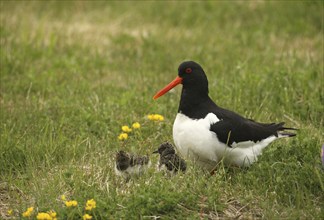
column 195, row 141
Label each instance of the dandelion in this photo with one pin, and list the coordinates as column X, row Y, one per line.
column 155, row 117
column 43, row 216
column 123, row 136
column 136, row 125
column 29, row 212
column 87, row 217
column 71, row 203
column 52, row 214
column 10, row 212
column 63, row 198
column 91, row 204
column 126, row 129
column 158, row 117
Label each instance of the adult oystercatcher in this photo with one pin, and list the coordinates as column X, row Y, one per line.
column 169, row 159
column 207, row 133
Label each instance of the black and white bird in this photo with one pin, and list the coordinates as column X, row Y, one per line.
column 169, row 159
column 128, row 165
column 207, row 133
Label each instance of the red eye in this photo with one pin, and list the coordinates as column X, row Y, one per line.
column 188, row 70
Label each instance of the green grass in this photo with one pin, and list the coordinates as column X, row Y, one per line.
column 72, row 73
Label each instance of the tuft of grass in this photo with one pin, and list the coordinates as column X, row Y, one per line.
column 73, row 73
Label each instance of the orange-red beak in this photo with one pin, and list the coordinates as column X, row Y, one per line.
column 172, row 84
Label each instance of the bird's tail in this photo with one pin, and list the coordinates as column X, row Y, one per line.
column 285, row 132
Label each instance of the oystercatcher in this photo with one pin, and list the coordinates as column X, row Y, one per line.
column 207, row 133
column 169, row 159
column 128, row 165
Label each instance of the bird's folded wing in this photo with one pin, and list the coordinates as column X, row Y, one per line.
column 230, row 131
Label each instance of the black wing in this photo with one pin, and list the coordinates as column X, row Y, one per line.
column 234, row 128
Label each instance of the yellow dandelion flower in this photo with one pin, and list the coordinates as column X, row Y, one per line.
column 63, row 198
column 30, row 209
column 91, row 204
column 123, row 136
column 10, row 212
column 156, row 117
column 126, row 129
column 87, row 217
column 71, row 203
column 29, row 212
column 151, row 117
column 159, row 117
column 136, row 125
column 26, row 214
column 52, row 214
column 43, row 216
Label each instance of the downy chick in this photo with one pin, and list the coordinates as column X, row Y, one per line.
column 168, row 158
column 128, row 165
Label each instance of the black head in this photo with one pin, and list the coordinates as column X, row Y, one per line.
column 122, row 160
column 193, row 78
column 188, row 67
column 122, row 156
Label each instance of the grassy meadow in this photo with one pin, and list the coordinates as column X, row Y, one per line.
column 73, row 73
